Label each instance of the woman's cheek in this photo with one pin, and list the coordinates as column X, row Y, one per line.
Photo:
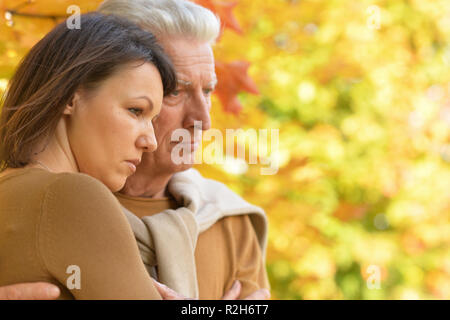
column 130, row 133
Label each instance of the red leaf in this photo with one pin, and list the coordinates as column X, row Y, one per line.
column 233, row 78
column 225, row 12
column 348, row 211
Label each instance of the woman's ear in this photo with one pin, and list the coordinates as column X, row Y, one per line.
column 70, row 107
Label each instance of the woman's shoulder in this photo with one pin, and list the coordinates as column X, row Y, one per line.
column 55, row 189
column 80, row 200
column 43, row 180
column 72, row 188
column 76, row 181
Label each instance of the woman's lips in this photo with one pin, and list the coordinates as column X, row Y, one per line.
column 132, row 164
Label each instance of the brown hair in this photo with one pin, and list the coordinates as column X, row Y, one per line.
column 59, row 64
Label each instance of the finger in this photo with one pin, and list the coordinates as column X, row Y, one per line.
column 167, row 293
column 30, row 291
column 234, row 292
column 261, row 294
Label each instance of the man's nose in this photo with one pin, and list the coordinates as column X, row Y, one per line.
column 147, row 140
column 199, row 111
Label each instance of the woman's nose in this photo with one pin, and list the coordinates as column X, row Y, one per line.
column 147, row 142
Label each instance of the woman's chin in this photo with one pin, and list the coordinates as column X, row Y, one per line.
column 114, row 181
column 116, row 188
column 116, row 184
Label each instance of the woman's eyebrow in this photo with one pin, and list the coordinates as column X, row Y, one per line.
column 150, row 102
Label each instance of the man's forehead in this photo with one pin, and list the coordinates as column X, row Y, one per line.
column 194, row 65
column 193, row 61
column 184, row 50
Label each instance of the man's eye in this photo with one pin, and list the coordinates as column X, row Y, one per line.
column 136, row 111
column 207, row 91
column 175, row 93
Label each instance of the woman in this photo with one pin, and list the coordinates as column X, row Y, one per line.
column 75, row 122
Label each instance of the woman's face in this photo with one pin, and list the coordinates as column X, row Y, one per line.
column 110, row 127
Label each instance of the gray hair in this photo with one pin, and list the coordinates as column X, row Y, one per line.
column 167, row 18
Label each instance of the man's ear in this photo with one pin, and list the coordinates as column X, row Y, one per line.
column 71, row 105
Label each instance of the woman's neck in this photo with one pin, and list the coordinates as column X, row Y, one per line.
column 54, row 154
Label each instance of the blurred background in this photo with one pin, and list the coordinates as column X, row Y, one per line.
column 360, row 93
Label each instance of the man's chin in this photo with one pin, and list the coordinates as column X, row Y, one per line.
column 181, row 167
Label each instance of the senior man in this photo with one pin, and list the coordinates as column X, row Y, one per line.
column 194, row 234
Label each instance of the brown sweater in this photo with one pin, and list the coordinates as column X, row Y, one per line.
column 50, row 221
column 227, row 251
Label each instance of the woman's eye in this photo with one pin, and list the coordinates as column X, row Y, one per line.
column 175, row 93
column 136, row 111
column 207, row 91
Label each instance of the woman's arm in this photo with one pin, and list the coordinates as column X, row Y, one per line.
column 86, row 243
